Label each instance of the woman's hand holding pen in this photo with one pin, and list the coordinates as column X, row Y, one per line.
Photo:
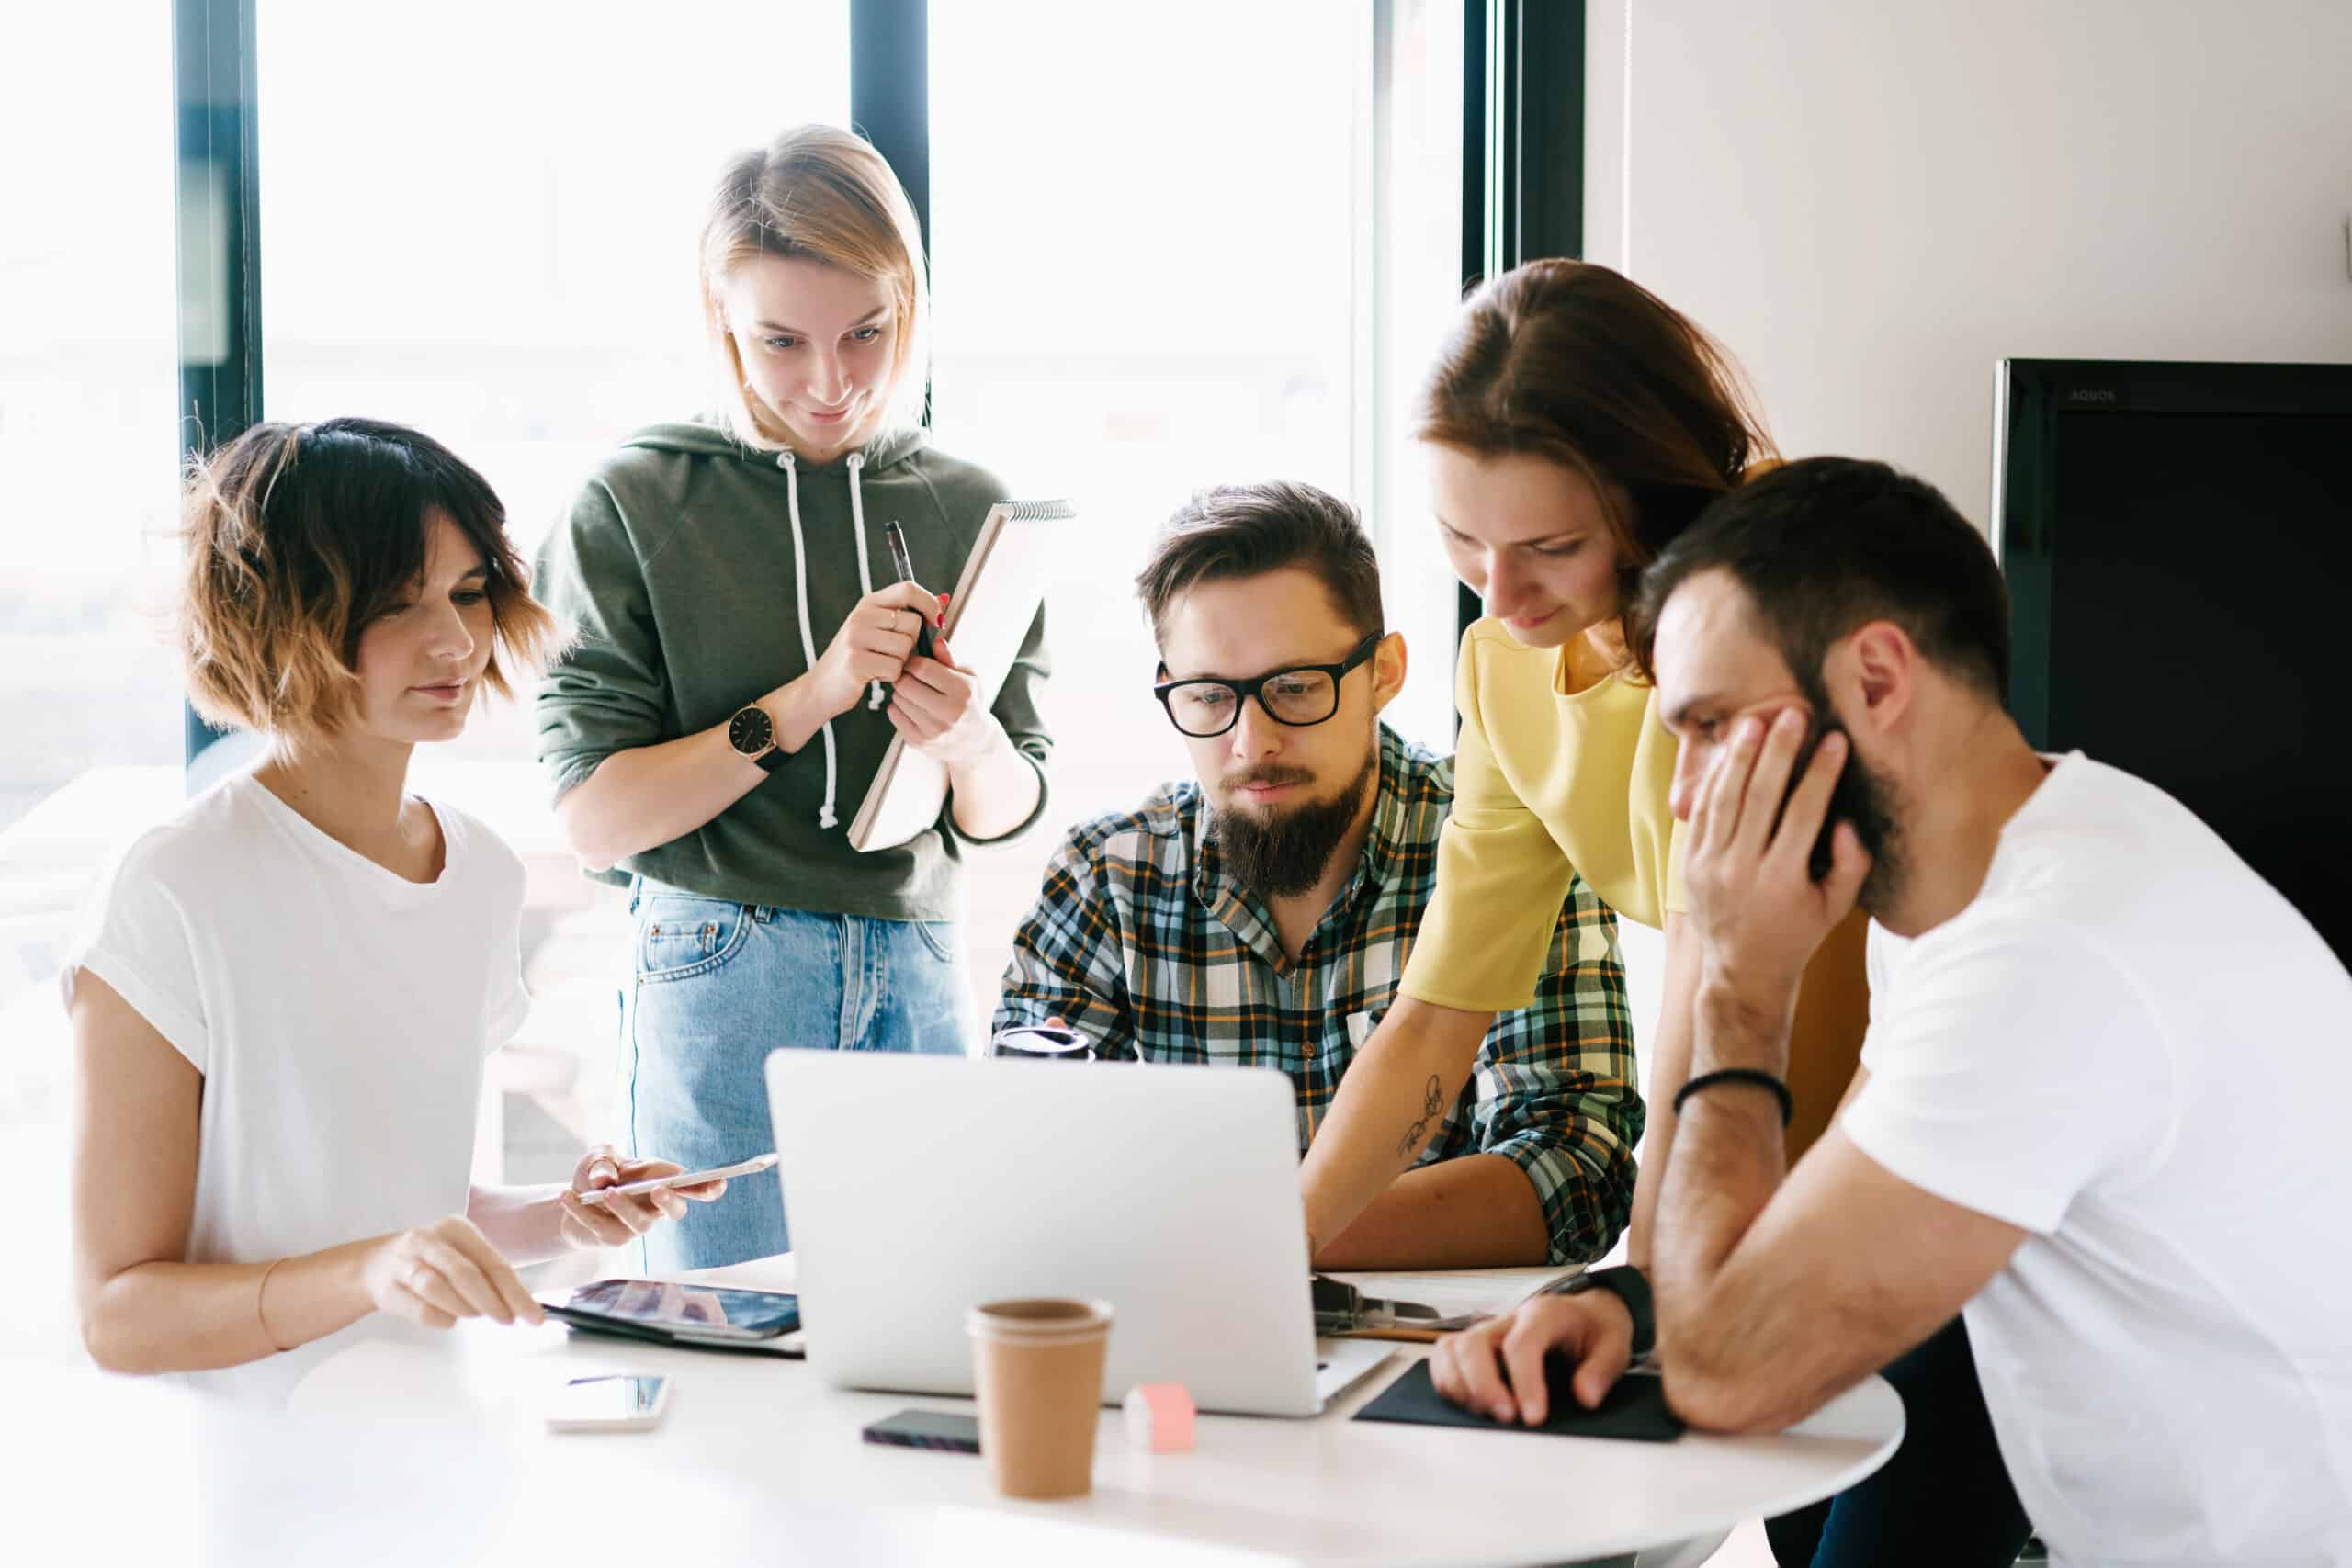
column 873, row 645
column 936, row 705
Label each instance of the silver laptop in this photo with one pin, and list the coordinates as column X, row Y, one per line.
column 917, row 1186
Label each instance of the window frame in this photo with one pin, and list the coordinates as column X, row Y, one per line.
column 1522, row 149
column 215, row 119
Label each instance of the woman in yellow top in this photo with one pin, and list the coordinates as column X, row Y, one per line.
column 1575, row 424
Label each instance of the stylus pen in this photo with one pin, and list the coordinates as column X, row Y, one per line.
column 906, row 569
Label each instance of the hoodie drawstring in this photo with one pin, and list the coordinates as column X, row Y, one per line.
column 864, row 569
column 826, row 818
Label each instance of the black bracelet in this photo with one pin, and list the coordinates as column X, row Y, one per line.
column 1627, row 1284
column 1740, row 1075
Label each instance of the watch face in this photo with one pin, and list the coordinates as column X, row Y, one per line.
column 750, row 731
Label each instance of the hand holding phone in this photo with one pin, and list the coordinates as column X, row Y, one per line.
column 612, row 1200
column 679, row 1178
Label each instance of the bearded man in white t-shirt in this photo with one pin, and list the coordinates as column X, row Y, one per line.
column 2102, row 1096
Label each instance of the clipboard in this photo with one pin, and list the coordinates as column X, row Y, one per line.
column 995, row 601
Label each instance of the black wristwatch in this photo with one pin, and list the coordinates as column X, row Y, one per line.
column 1624, row 1282
column 752, row 734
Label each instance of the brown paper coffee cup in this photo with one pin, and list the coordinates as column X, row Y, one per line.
column 1037, row 1372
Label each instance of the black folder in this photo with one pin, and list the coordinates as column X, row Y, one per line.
column 1635, row 1408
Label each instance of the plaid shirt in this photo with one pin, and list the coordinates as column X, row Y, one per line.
column 1140, row 940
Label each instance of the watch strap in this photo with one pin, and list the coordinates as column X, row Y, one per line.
column 1625, row 1283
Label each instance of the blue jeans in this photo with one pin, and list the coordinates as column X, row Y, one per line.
column 715, row 986
column 1944, row 1498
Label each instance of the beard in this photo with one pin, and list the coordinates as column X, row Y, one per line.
column 1281, row 854
column 1863, row 797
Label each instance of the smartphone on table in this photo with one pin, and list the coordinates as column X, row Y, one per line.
column 626, row 1403
column 944, row 1430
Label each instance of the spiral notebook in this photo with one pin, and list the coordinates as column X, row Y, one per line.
column 987, row 618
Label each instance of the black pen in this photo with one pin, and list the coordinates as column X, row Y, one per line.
column 906, row 569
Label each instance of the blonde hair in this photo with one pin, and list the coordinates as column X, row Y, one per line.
column 298, row 539
column 817, row 193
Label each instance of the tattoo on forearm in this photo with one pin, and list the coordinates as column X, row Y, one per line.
column 1433, row 1102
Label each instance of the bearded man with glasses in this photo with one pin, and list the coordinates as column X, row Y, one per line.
column 1260, row 914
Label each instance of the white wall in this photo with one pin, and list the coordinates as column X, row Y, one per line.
column 1871, row 202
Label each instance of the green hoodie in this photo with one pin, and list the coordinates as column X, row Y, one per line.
column 677, row 572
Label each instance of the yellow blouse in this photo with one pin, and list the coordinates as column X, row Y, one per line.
column 1545, row 779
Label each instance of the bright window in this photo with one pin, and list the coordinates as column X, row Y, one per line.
column 89, row 376
column 89, row 373
column 1175, row 249
column 489, row 233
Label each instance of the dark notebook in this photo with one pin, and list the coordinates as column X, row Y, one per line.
column 1635, row 1408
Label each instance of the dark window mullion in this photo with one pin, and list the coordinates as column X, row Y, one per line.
column 1522, row 113
column 218, row 210
column 889, row 98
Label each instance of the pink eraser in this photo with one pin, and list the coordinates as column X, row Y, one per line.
column 1159, row 1417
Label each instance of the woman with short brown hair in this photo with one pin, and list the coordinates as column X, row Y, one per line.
column 282, row 998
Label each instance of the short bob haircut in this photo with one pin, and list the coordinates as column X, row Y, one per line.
column 820, row 194
column 1582, row 366
column 298, row 539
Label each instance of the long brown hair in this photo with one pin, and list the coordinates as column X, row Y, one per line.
column 1574, row 363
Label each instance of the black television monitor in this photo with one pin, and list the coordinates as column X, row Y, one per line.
column 2177, row 539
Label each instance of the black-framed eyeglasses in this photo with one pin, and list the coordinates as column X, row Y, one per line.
column 1298, row 696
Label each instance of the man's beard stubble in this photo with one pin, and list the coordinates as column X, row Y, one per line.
column 1862, row 796
column 1282, row 853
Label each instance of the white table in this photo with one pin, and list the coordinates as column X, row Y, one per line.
column 407, row 1447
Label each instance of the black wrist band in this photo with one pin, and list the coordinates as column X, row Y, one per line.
column 1625, row 1283
column 1740, row 1075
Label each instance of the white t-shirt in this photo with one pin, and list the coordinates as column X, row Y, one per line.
column 339, row 1014
column 2132, row 1047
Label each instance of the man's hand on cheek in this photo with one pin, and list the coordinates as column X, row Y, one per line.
column 1758, row 912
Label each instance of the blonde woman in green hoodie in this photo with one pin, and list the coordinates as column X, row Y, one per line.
column 715, row 722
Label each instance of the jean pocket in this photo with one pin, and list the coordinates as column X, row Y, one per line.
column 939, row 937
column 679, row 936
